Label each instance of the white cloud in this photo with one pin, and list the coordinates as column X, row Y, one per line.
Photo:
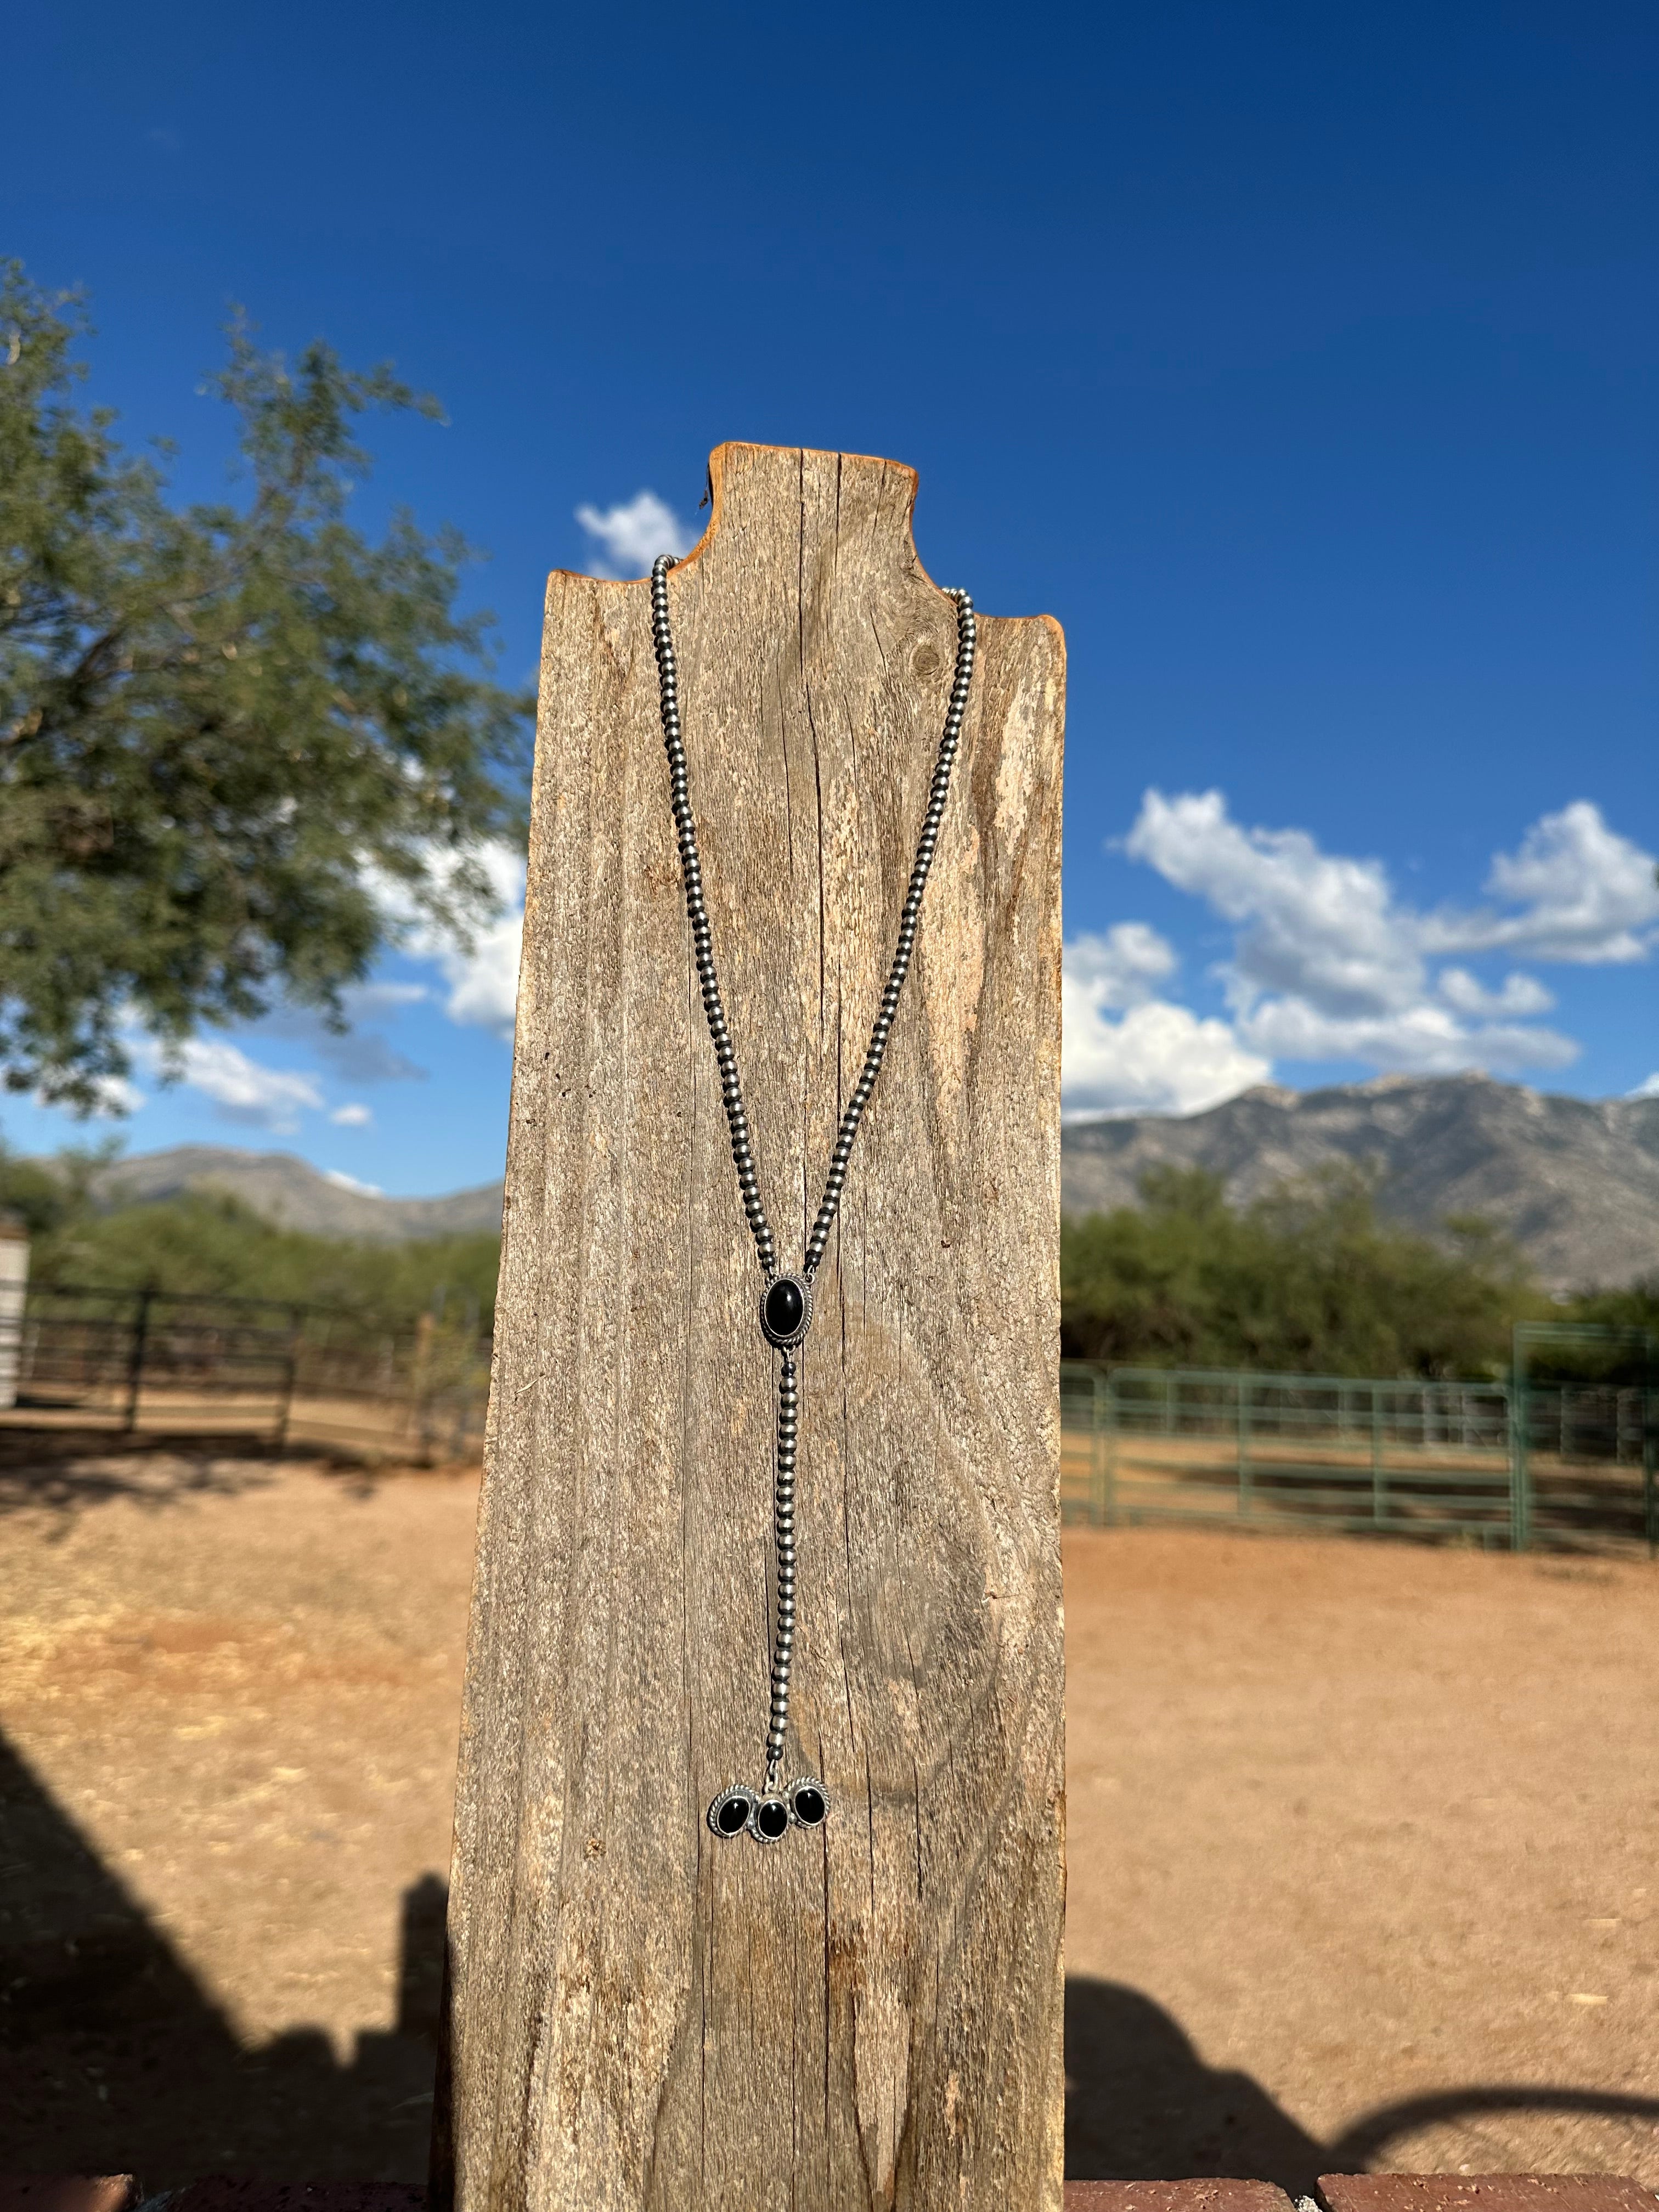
column 343, row 1181
column 633, row 534
column 1521, row 994
column 1314, row 925
column 1587, row 895
column 1326, row 963
column 1119, row 968
column 1419, row 1040
column 115, row 1098
column 1159, row 1058
column 353, row 1115
column 1647, row 1090
column 240, row 1088
column 483, row 978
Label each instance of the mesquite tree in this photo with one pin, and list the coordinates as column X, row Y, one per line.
column 238, row 741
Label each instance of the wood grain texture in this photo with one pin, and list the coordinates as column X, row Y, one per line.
column 643, row 2015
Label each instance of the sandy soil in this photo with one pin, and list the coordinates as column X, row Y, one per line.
column 240, row 1685
column 1364, row 1839
column 1363, row 1857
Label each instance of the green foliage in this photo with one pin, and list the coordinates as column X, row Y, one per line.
column 1625, row 1350
column 235, row 741
column 1636, row 1308
column 203, row 1246
column 46, row 1196
column 1306, row 1281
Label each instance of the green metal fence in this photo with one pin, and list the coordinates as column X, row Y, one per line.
column 1506, row 1464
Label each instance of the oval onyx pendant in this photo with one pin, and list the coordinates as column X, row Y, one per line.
column 731, row 1811
column 809, row 1806
column 770, row 1821
column 786, row 1312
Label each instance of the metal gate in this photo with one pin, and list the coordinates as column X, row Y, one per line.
column 157, row 1364
column 1501, row 1464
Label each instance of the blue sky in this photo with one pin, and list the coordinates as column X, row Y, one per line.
column 1301, row 360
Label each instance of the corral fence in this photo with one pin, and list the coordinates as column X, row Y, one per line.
column 149, row 1362
column 1510, row 1464
column 1527, row 1460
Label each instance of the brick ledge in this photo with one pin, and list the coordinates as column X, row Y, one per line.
column 1341, row 2192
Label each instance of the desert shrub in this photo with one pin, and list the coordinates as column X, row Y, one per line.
column 210, row 1246
column 1309, row 1280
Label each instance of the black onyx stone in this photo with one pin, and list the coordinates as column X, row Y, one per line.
column 785, row 1309
column 771, row 1818
column 810, row 1807
column 732, row 1816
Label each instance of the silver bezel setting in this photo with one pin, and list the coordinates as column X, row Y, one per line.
column 738, row 1793
column 806, row 1782
column 797, row 1335
column 770, row 1797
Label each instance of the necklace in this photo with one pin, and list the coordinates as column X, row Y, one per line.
column 785, row 1304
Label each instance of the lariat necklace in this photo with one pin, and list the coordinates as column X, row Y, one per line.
column 785, row 1304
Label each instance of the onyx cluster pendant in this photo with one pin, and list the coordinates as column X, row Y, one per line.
column 768, row 1815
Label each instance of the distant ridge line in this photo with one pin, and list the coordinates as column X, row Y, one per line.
column 291, row 1193
column 1574, row 1181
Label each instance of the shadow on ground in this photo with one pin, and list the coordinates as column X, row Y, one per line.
column 68, row 1471
column 113, row 2057
column 1142, row 2105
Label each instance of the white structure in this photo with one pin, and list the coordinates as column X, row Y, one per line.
column 14, row 1288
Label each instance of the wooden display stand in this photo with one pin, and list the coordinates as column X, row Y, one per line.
column 641, row 2014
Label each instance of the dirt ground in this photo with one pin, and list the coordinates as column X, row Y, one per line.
column 1364, row 1858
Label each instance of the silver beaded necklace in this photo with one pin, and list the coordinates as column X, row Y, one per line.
column 785, row 1305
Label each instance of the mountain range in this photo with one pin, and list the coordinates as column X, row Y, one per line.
column 289, row 1191
column 1574, row 1181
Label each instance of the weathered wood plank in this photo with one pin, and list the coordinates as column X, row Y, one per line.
column 643, row 2015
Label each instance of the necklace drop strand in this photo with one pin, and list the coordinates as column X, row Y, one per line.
column 786, row 1302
